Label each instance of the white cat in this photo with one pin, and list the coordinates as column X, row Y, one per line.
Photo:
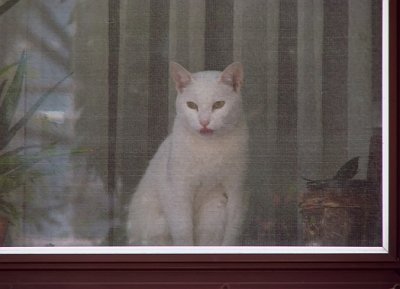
column 191, row 193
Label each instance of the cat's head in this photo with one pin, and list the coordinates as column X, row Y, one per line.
column 209, row 102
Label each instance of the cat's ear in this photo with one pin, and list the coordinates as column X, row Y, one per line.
column 233, row 76
column 180, row 75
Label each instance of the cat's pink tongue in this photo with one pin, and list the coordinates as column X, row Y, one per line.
column 206, row 131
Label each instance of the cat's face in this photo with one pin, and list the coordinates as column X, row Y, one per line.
column 209, row 102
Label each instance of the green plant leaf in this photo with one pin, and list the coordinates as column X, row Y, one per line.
column 18, row 150
column 21, row 163
column 2, row 85
column 17, row 176
column 9, row 183
column 5, row 69
column 13, row 163
column 8, row 210
column 7, row 6
column 8, row 163
column 10, row 100
column 22, row 122
column 11, row 158
column 81, row 150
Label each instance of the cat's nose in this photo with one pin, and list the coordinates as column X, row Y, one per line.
column 204, row 122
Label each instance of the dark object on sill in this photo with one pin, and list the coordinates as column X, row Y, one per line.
column 343, row 175
column 341, row 216
column 348, row 170
column 342, row 211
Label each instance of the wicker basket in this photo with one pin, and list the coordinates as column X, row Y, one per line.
column 345, row 215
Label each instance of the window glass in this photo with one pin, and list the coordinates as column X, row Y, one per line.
column 87, row 99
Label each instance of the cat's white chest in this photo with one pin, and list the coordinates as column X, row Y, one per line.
column 209, row 162
column 211, row 168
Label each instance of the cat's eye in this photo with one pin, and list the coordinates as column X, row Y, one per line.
column 192, row 105
column 218, row 104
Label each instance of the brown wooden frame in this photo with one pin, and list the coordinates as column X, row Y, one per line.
column 229, row 271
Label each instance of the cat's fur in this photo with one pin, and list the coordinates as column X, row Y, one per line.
column 191, row 193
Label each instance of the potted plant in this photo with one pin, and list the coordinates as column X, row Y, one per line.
column 341, row 211
column 16, row 164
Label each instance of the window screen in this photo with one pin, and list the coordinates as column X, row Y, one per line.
column 312, row 97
